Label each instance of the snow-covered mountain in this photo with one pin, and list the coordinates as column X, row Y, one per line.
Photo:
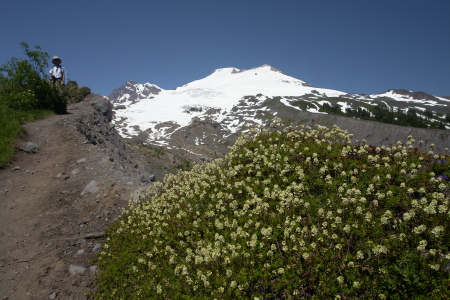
column 206, row 115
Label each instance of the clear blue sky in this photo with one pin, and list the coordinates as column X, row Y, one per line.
column 356, row 46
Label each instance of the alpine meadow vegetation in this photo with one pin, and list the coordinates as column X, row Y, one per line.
column 292, row 212
column 25, row 95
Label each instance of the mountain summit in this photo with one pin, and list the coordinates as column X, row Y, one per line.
column 264, row 80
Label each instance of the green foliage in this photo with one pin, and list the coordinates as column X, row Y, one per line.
column 335, row 109
column 24, row 85
column 76, row 93
column 303, row 104
column 184, row 164
column 293, row 213
column 10, row 124
column 25, row 95
column 154, row 151
column 10, row 128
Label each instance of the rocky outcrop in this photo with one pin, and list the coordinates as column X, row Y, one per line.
column 101, row 104
column 132, row 91
column 96, row 126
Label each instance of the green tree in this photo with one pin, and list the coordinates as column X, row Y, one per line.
column 429, row 113
column 24, row 85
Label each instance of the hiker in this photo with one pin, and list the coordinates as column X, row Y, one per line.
column 57, row 72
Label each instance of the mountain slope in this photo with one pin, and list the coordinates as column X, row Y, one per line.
column 205, row 116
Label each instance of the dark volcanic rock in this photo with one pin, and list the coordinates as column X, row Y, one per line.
column 132, row 91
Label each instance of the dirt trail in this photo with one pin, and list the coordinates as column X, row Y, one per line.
column 56, row 203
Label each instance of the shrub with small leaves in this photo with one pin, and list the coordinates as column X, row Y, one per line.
column 289, row 213
column 76, row 93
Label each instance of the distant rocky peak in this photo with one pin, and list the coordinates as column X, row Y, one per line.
column 130, row 82
column 133, row 91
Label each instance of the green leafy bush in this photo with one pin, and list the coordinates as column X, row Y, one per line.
column 295, row 213
column 11, row 121
column 24, row 85
column 10, row 128
column 76, row 93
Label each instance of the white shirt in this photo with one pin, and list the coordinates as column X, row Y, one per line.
column 57, row 71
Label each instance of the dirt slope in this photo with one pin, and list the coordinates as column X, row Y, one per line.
column 56, row 203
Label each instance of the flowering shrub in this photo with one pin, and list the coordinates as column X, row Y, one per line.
column 293, row 213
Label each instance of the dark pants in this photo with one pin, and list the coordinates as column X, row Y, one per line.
column 57, row 81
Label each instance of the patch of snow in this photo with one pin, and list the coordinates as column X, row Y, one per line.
column 344, row 106
column 406, row 98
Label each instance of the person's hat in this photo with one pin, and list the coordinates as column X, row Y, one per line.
column 56, row 60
